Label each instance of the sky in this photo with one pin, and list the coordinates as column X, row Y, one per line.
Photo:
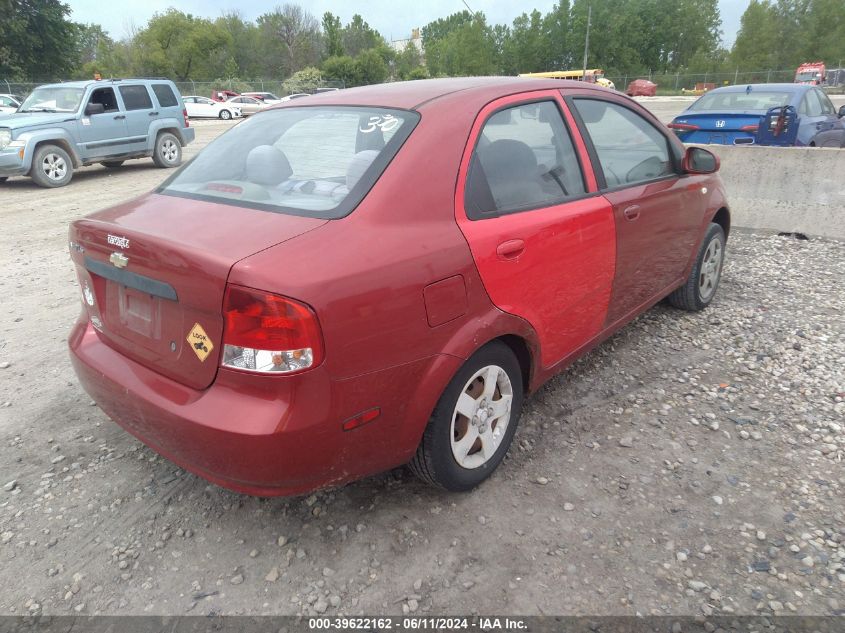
column 394, row 19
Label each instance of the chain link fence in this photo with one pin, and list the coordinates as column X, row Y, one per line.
column 279, row 87
column 667, row 83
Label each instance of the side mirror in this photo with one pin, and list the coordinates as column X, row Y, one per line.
column 698, row 160
column 842, row 112
column 94, row 108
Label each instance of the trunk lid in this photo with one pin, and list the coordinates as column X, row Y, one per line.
column 719, row 127
column 157, row 267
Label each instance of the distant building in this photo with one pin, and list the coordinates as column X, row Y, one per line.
column 415, row 39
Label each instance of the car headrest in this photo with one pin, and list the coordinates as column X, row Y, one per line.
column 267, row 165
column 358, row 165
column 508, row 159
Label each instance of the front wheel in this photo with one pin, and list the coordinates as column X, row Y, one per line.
column 51, row 166
column 168, row 151
column 225, row 115
column 474, row 421
column 700, row 287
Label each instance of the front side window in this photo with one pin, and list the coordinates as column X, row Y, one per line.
column 136, row 98
column 827, row 106
column 523, row 159
column 315, row 162
column 53, row 99
column 105, row 97
column 629, row 148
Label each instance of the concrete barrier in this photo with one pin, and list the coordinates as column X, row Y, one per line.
column 792, row 189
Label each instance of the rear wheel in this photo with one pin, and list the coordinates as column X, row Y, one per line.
column 700, row 288
column 168, row 151
column 225, row 115
column 112, row 164
column 474, row 421
column 51, row 166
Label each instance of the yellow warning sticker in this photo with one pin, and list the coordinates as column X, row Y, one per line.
column 199, row 342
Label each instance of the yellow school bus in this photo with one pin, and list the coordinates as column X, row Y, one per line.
column 592, row 75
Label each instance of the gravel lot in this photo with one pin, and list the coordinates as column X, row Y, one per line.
column 690, row 465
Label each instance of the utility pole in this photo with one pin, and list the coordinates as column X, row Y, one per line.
column 587, row 41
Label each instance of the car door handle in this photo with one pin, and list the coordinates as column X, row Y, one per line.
column 632, row 212
column 153, row 113
column 120, row 116
column 510, row 249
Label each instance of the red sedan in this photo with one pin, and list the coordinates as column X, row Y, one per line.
column 382, row 275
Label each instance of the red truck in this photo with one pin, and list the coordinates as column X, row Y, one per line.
column 813, row 73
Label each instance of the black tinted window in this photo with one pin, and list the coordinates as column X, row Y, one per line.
column 629, row 148
column 165, row 95
column 106, row 97
column 524, row 159
column 136, row 97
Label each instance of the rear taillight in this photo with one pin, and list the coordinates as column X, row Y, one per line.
column 750, row 128
column 185, row 115
column 267, row 333
column 684, row 127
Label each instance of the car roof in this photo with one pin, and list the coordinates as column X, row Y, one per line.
column 767, row 87
column 88, row 82
column 410, row 95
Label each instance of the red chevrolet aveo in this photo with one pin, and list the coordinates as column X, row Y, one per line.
column 377, row 276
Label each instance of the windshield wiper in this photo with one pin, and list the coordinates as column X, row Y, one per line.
column 39, row 110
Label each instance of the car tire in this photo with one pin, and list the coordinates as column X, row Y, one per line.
column 168, row 151
column 112, row 164
column 51, row 167
column 225, row 115
column 701, row 285
column 453, row 453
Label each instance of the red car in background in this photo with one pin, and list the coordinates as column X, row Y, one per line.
column 382, row 275
column 641, row 88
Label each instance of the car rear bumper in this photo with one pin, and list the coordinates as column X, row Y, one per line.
column 188, row 135
column 260, row 435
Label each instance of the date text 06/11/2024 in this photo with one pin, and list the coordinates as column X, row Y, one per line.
column 411, row 623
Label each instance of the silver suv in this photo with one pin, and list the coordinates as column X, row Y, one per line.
column 61, row 127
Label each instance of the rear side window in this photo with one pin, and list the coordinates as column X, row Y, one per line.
column 136, row 97
column 827, row 105
column 629, row 148
column 165, row 96
column 523, row 159
column 315, row 162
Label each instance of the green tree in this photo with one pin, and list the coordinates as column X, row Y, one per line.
column 357, row 36
column 37, row 41
column 333, row 35
column 179, row 45
column 370, row 68
column 340, row 68
column 528, row 46
column 758, row 37
column 290, row 40
column 467, row 47
column 243, row 49
column 408, row 60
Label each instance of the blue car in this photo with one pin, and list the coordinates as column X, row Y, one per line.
column 764, row 114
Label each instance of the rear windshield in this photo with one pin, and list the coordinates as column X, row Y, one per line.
column 754, row 100
column 318, row 162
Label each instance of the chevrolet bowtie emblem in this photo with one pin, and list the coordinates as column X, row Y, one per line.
column 119, row 260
